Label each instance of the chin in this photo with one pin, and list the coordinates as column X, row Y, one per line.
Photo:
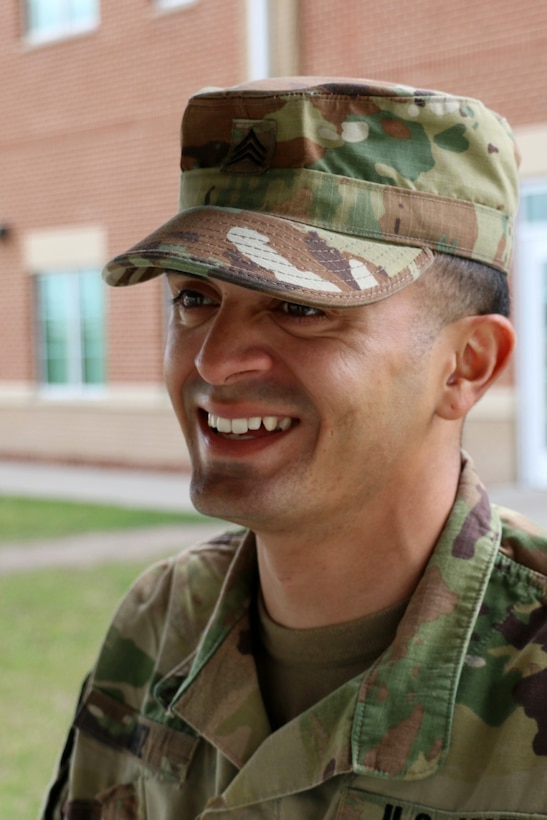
column 218, row 505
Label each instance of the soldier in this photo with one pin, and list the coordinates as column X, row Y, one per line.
column 371, row 642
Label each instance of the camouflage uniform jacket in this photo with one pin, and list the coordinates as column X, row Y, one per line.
column 450, row 722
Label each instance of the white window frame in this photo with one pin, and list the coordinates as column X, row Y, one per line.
column 70, row 28
column 66, row 248
column 169, row 5
column 75, row 387
column 531, row 357
column 258, row 39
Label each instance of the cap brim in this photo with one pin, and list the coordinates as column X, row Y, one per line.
column 275, row 255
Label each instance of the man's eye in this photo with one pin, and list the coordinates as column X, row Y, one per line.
column 300, row 311
column 188, row 299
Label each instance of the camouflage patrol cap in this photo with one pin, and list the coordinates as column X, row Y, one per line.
column 332, row 191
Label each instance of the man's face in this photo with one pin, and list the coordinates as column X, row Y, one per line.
column 296, row 416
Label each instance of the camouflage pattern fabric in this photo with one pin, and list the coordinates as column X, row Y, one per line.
column 449, row 724
column 333, row 192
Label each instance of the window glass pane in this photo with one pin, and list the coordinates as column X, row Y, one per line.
column 71, row 319
column 535, row 207
column 92, row 327
column 60, row 16
column 83, row 11
column 54, row 318
column 45, row 14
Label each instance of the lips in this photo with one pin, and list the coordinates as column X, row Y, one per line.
column 244, row 426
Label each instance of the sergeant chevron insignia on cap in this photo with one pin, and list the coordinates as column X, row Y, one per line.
column 252, row 147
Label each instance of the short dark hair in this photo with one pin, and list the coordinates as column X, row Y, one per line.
column 454, row 287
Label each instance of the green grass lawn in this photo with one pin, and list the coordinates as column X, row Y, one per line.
column 51, row 624
column 24, row 519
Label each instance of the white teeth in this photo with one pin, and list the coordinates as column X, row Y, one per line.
column 241, row 426
column 223, row 425
column 270, row 423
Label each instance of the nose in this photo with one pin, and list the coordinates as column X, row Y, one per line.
column 233, row 348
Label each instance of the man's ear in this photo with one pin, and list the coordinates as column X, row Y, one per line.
column 481, row 348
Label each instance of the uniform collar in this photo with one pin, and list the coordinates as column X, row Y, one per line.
column 392, row 722
column 405, row 707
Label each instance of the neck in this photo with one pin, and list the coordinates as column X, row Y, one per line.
column 366, row 562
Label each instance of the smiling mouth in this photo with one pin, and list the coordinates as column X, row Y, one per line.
column 252, row 427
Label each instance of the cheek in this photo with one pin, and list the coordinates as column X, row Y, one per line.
column 345, row 404
column 364, row 400
column 169, row 367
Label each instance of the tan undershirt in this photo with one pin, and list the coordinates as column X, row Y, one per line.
column 299, row 667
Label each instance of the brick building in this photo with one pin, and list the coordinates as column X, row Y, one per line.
column 91, row 106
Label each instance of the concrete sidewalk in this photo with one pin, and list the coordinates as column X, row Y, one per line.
column 170, row 491
column 159, row 491
column 130, row 488
column 529, row 502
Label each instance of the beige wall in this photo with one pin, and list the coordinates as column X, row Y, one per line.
column 135, row 428
column 531, row 140
column 490, row 436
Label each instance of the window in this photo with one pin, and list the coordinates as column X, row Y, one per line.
column 70, row 309
column 51, row 19
column 534, row 206
column 531, row 318
column 173, row 4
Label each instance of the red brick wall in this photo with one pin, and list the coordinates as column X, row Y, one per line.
column 89, row 126
column 496, row 51
column 89, row 135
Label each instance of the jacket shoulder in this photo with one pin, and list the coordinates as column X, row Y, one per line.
column 163, row 616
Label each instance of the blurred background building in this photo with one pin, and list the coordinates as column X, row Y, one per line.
column 90, row 107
